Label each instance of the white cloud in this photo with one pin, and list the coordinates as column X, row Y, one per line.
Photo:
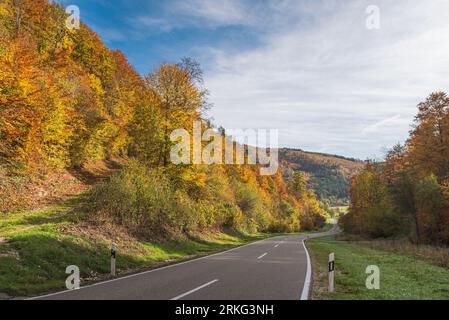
column 323, row 79
column 178, row 14
column 318, row 74
column 163, row 25
column 386, row 123
column 223, row 12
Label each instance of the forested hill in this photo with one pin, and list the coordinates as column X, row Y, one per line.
column 330, row 175
column 68, row 102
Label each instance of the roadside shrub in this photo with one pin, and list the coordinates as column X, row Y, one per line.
column 158, row 203
column 312, row 216
column 11, row 191
column 147, row 202
column 142, row 200
column 250, row 203
column 230, row 216
column 287, row 218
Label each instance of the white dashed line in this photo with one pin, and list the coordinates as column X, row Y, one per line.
column 194, row 290
column 262, row 256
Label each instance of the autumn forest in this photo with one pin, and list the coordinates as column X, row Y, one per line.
column 67, row 102
column 408, row 193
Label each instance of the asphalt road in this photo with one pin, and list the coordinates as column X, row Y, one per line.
column 271, row 269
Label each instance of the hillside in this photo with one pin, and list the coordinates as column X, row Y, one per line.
column 68, row 102
column 330, row 175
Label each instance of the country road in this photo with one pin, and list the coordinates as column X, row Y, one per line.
column 271, row 269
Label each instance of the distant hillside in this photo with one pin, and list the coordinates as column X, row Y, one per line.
column 330, row 175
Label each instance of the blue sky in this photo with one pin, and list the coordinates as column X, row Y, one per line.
column 309, row 68
column 152, row 32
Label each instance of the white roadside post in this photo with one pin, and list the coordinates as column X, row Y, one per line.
column 331, row 272
column 113, row 254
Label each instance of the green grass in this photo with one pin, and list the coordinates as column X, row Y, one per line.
column 35, row 250
column 343, row 209
column 402, row 277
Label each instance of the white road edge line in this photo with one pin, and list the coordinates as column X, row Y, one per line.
column 194, row 290
column 149, row 271
column 308, row 279
column 262, row 256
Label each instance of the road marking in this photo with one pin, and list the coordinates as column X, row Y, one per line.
column 262, row 256
column 149, row 271
column 308, row 279
column 194, row 290
column 277, row 245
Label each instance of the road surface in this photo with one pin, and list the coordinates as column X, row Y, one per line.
column 272, row 269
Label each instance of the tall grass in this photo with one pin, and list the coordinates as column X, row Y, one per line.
column 437, row 255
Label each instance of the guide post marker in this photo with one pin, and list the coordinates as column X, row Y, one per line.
column 113, row 256
column 331, row 272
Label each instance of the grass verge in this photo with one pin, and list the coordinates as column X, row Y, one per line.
column 37, row 246
column 403, row 276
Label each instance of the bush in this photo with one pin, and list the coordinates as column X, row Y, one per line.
column 251, row 204
column 12, row 189
column 142, row 200
column 287, row 218
column 312, row 217
column 146, row 202
column 161, row 204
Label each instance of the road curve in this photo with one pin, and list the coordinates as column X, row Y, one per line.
column 271, row 269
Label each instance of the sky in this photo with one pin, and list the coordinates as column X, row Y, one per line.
column 310, row 68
